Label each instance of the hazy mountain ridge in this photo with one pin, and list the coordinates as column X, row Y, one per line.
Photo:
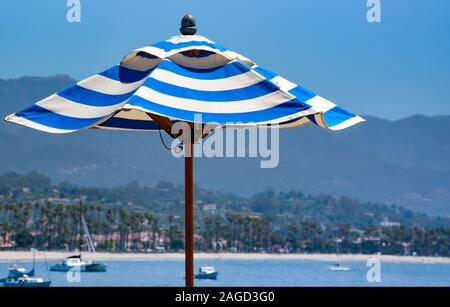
column 404, row 162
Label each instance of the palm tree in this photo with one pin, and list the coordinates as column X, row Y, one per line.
column 156, row 232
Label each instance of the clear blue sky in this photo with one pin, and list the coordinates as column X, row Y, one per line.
column 392, row 69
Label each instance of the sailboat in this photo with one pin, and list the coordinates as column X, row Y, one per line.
column 76, row 261
column 20, row 277
column 338, row 266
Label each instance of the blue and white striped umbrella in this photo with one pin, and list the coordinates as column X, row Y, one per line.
column 177, row 79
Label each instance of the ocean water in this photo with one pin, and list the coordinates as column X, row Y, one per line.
column 249, row 273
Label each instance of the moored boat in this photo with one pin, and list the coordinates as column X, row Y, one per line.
column 16, row 271
column 20, row 277
column 339, row 267
column 27, row 282
column 207, row 272
column 77, row 262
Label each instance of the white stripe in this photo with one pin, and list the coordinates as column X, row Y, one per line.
column 241, row 106
column 188, row 38
column 320, row 104
column 63, row 106
column 28, row 123
column 230, row 83
column 109, row 86
column 348, row 123
column 284, row 84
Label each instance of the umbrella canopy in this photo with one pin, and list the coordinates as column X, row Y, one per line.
column 177, row 79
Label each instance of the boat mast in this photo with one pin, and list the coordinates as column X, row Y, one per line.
column 80, row 226
column 33, row 250
column 337, row 250
column 87, row 236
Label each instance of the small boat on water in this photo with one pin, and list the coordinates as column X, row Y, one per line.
column 26, row 282
column 338, row 266
column 19, row 277
column 15, row 271
column 207, row 272
column 77, row 262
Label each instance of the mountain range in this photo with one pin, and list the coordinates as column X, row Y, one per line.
column 403, row 162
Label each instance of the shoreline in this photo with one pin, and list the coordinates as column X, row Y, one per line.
column 11, row 256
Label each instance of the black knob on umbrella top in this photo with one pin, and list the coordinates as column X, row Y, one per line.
column 188, row 26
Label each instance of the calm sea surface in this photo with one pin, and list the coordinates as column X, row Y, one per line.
column 250, row 273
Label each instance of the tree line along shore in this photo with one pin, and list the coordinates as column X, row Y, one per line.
column 34, row 213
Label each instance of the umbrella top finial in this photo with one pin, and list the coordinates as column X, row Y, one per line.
column 188, row 26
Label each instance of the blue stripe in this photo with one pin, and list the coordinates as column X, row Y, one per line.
column 47, row 118
column 265, row 72
column 290, row 121
column 257, row 90
column 125, row 75
column 312, row 119
column 221, row 72
column 336, row 116
column 302, row 93
column 168, row 46
column 92, row 98
column 146, row 55
column 285, row 109
column 115, row 122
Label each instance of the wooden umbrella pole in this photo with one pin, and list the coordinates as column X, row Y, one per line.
column 189, row 212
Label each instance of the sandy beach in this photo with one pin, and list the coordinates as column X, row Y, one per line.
column 11, row 256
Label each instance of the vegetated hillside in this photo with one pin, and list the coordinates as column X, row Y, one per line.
column 35, row 213
column 165, row 198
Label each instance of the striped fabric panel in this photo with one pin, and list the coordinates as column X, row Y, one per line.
column 229, row 94
column 327, row 114
column 84, row 104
